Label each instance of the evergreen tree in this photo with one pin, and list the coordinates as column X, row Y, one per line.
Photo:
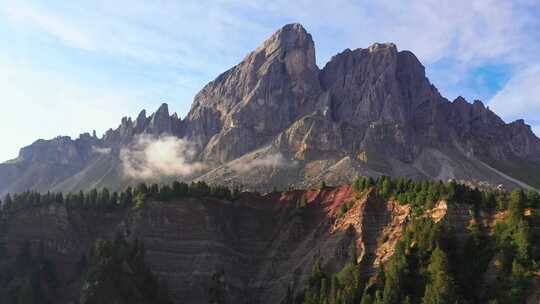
column 521, row 240
column 394, row 276
column 518, row 283
column 165, row 193
column 139, row 200
column 533, row 199
column 386, row 186
column 8, row 202
column 502, row 203
column 489, row 200
column 180, row 189
column 104, row 197
column 93, row 197
column 366, row 299
column 440, row 287
column 516, row 204
column 359, row 184
column 118, row 274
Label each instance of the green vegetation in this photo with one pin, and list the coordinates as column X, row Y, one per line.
column 345, row 208
column 429, row 265
column 104, row 200
column 302, row 202
column 118, row 274
column 323, row 185
column 27, row 279
column 115, row 271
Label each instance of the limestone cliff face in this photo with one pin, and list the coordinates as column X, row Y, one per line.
column 372, row 109
column 252, row 102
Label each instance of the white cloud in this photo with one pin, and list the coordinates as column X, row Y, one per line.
column 57, row 26
column 176, row 33
column 150, row 158
column 173, row 32
column 168, row 32
column 469, row 31
column 101, row 150
column 520, row 97
column 268, row 161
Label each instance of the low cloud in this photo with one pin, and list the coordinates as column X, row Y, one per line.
column 269, row 161
column 101, row 151
column 149, row 157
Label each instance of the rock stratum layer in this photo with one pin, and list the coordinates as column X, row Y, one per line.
column 255, row 249
column 276, row 119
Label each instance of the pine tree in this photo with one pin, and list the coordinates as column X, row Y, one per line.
column 521, row 240
column 386, row 186
column 394, row 276
column 518, row 283
column 516, row 204
column 359, row 184
column 533, row 199
column 8, row 202
column 353, row 255
column 139, row 200
column 366, row 299
column 440, row 287
column 378, row 297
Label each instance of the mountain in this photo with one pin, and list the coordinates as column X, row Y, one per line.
column 277, row 120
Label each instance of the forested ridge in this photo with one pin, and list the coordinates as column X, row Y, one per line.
column 429, row 265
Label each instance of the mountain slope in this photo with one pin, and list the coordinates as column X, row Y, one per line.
column 276, row 119
column 213, row 246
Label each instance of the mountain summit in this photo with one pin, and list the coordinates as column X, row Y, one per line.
column 276, row 119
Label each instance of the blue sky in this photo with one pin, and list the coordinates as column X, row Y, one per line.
column 68, row 67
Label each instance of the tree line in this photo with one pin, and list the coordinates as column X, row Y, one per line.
column 104, row 199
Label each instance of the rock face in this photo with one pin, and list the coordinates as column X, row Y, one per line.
column 255, row 249
column 276, row 119
column 260, row 247
column 248, row 105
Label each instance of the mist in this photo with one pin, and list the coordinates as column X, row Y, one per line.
column 149, row 157
column 270, row 161
column 101, row 151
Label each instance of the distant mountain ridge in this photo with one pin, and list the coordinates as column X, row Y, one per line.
column 276, row 119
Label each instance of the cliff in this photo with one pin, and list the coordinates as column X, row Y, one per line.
column 255, row 249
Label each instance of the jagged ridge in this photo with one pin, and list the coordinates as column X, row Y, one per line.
column 367, row 112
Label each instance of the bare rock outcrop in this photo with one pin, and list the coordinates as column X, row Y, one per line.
column 372, row 108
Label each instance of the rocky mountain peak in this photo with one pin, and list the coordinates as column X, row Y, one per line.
column 140, row 122
column 162, row 111
column 387, row 46
column 160, row 121
column 259, row 97
column 460, row 100
column 293, row 44
column 369, row 111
